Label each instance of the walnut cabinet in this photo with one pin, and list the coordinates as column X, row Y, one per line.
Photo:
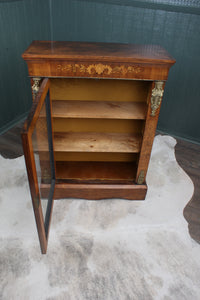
column 91, row 127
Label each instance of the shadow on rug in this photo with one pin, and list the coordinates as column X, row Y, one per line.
column 109, row 249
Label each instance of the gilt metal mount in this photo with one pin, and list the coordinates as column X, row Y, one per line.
column 156, row 96
column 35, row 86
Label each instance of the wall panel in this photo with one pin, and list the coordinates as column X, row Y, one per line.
column 20, row 23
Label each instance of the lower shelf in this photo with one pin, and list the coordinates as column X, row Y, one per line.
column 96, row 172
column 97, row 191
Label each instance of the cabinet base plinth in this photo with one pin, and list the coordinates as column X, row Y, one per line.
column 97, row 191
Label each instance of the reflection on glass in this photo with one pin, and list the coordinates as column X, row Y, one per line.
column 40, row 144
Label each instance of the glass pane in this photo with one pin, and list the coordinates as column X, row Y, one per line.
column 43, row 160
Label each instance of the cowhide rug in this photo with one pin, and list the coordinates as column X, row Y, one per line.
column 109, row 249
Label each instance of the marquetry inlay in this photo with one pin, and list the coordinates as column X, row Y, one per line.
column 99, row 69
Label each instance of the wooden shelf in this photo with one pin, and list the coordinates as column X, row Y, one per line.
column 99, row 109
column 96, row 171
column 97, row 142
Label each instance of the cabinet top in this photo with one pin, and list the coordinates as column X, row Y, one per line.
column 86, row 51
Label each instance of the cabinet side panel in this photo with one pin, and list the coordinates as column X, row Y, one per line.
column 154, row 103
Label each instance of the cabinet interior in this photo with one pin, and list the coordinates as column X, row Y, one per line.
column 97, row 128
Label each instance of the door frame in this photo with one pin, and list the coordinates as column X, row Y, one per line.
column 26, row 135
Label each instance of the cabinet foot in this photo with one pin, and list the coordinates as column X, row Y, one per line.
column 97, row 191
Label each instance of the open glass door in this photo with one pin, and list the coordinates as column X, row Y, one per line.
column 39, row 156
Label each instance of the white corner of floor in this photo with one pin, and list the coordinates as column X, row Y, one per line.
column 114, row 249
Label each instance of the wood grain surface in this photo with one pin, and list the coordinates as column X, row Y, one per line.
column 99, row 109
column 97, row 191
column 97, row 60
column 98, row 52
column 97, row 142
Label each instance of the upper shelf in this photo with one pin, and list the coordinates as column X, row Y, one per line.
column 99, row 109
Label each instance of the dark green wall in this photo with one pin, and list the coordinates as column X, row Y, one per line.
column 175, row 27
column 20, row 23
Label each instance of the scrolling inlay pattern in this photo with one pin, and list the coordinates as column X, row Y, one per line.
column 99, row 69
column 156, row 97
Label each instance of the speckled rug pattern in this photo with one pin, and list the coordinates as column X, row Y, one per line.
column 108, row 249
